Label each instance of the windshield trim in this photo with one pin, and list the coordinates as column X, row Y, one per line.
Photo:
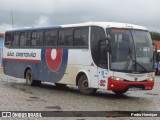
column 126, row 29
column 130, row 71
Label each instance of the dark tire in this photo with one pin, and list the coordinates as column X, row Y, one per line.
column 59, row 85
column 83, row 86
column 120, row 92
column 29, row 79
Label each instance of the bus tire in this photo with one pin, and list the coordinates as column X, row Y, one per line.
column 59, row 85
column 120, row 92
column 83, row 86
column 29, row 79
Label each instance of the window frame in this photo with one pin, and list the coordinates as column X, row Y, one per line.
column 44, row 38
column 13, row 33
column 35, row 46
column 28, row 32
column 71, row 42
column 93, row 53
column 58, row 30
column 79, row 28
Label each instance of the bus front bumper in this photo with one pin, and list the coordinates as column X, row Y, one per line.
column 123, row 85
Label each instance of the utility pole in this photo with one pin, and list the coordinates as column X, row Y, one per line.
column 12, row 19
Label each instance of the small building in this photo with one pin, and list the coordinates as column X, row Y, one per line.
column 1, row 47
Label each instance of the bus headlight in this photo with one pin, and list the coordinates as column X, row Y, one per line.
column 151, row 79
column 117, row 78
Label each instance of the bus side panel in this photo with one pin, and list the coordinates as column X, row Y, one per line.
column 17, row 69
column 15, row 61
column 9, row 68
column 80, row 60
column 40, row 61
column 44, row 74
column 53, row 69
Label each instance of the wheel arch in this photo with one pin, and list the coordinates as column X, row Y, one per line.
column 80, row 73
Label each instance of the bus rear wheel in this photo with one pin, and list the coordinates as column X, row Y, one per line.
column 83, row 86
column 29, row 79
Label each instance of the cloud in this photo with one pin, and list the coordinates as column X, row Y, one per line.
column 53, row 12
column 42, row 21
column 27, row 6
column 4, row 27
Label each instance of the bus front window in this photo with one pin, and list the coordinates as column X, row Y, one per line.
column 131, row 50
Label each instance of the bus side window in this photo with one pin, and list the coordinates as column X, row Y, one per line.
column 16, row 37
column 50, row 38
column 37, row 38
column 81, row 37
column 65, row 38
column 24, row 40
column 8, row 39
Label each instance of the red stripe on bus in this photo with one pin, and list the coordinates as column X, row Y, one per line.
column 21, row 60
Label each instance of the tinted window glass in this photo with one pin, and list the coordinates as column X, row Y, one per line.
column 65, row 37
column 16, row 39
column 8, row 39
column 97, row 47
column 50, row 38
column 103, row 60
column 81, row 37
column 25, row 39
column 37, row 38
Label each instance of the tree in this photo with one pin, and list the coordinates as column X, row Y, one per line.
column 155, row 35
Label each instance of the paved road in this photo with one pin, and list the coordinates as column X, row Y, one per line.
column 15, row 95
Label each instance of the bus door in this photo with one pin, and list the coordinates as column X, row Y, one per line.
column 102, row 65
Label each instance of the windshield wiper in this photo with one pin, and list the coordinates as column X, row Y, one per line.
column 129, row 57
column 133, row 61
column 140, row 65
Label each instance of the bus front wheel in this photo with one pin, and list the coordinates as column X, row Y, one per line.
column 83, row 86
column 29, row 79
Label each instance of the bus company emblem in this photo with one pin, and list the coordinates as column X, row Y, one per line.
column 102, row 83
column 54, row 59
column 135, row 79
column 56, row 62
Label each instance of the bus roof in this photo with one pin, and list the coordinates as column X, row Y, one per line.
column 101, row 24
column 107, row 25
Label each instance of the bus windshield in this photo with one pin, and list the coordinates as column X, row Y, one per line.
column 131, row 50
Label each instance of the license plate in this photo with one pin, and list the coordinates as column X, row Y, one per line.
column 134, row 89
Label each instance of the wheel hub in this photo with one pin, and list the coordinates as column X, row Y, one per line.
column 85, row 84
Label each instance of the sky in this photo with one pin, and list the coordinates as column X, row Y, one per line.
column 30, row 13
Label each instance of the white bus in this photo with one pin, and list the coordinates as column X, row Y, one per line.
column 93, row 55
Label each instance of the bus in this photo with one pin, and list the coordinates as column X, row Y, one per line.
column 93, row 55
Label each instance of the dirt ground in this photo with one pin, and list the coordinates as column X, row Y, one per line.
column 16, row 96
